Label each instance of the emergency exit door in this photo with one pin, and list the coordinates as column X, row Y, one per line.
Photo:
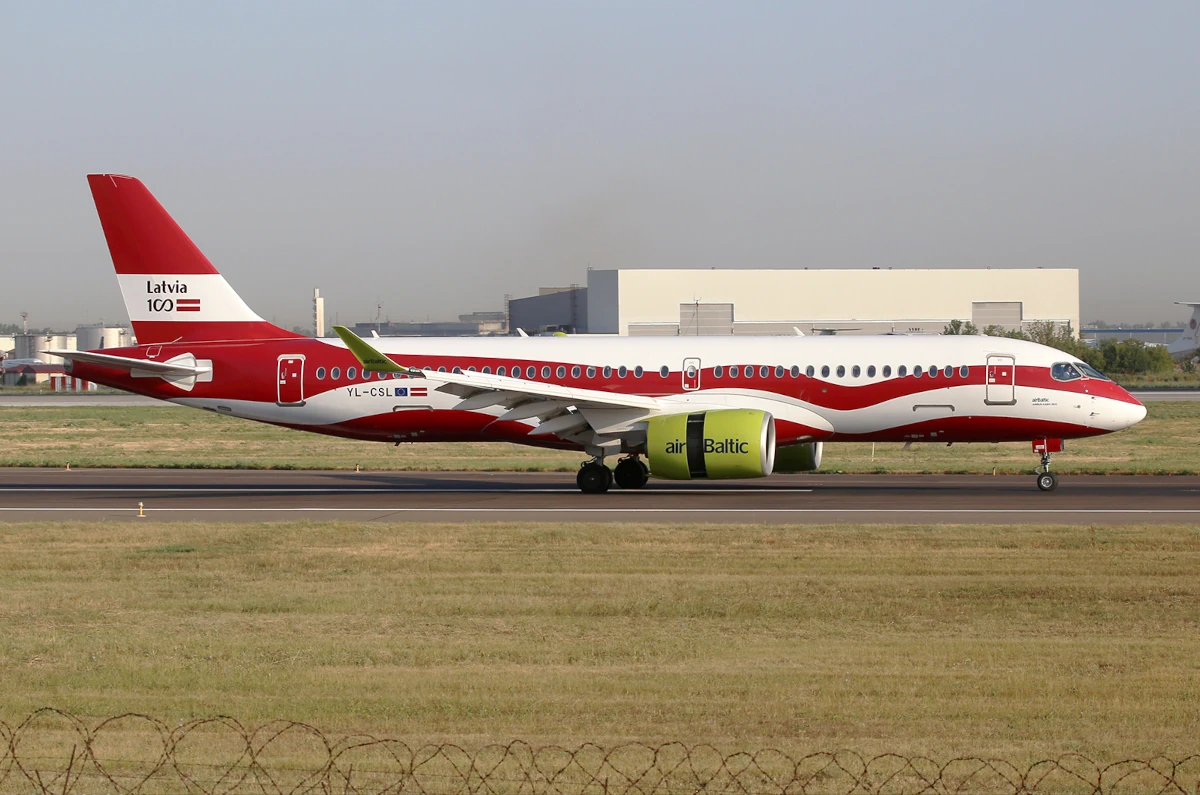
column 691, row 375
column 290, row 381
column 1001, row 381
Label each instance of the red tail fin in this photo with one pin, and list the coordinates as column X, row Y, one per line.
column 171, row 290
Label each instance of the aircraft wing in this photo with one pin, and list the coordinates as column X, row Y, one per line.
column 563, row 410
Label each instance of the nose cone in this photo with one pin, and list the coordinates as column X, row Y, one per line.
column 1131, row 413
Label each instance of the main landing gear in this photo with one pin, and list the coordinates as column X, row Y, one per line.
column 1046, row 480
column 595, row 478
column 632, row 473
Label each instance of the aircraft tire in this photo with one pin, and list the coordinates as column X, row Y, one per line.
column 631, row 473
column 594, row 478
column 1047, row 481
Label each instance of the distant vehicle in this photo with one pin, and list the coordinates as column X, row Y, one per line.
column 1186, row 346
column 16, row 362
column 695, row 407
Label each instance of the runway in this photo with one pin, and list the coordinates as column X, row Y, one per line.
column 245, row 496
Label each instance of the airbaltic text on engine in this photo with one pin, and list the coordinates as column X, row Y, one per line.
column 713, row 446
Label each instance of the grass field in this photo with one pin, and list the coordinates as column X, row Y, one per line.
column 1165, row 443
column 1013, row 642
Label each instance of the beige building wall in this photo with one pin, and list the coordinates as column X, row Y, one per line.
column 919, row 298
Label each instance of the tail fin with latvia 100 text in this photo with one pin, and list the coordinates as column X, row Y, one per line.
column 171, row 290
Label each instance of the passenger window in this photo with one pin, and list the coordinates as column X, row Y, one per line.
column 764, row 371
column 607, row 371
column 320, row 373
column 749, row 371
column 779, row 371
column 1064, row 372
column 917, row 371
column 964, row 371
column 841, row 371
column 718, row 371
column 575, row 371
column 902, row 371
column 949, row 371
column 591, row 372
column 500, row 370
column 560, row 372
column 664, row 371
column 353, row 372
column 810, row 371
column 335, row 373
column 545, row 371
column 487, row 370
column 871, row 371
column 458, row 370
column 855, row 371
column 824, row 371
column 887, row 371
column 471, row 369
column 933, row 372
column 637, row 371
column 349, row 373
column 733, row 371
column 795, row 371
column 622, row 371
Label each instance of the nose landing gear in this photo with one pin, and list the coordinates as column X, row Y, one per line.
column 1046, row 480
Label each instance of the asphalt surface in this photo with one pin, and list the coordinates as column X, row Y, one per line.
column 243, row 496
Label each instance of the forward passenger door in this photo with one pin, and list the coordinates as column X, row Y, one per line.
column 1001, row 380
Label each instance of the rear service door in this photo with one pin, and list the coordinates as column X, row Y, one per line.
column 1001, row 380
column 691, row 375
column 291, row 381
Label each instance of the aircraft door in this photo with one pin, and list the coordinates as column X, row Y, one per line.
column 1001, row 380
column 290, row 381
column 691, row 375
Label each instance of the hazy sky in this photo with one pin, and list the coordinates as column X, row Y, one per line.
column 433, row 156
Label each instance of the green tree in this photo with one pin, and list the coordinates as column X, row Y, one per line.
column 1132, row 356
column 956, row 327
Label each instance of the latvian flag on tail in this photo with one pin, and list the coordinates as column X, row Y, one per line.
column 187, row 304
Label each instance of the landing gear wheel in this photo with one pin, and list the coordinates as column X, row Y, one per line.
column 1047, row 481
column 594, row 478
column 631, row 473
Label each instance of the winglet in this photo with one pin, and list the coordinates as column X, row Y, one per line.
column 371, row 360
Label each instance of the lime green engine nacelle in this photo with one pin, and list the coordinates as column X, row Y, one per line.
column 722, row 444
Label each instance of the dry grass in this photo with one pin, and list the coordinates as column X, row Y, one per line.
column 1014, row 642
column 1165, row 443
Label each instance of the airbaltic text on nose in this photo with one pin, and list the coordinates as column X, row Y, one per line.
column 712, row 446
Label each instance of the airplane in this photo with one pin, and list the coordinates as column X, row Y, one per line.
column 1186, row 346
column 691, row 407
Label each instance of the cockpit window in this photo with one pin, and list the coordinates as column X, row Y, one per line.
column 1092, row 372
column 1063, row 371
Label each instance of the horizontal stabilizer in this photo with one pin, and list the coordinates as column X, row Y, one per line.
column 184, row 371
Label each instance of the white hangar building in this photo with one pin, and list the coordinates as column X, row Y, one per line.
column 874, row 301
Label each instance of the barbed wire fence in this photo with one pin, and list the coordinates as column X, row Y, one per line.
column 53, row 752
